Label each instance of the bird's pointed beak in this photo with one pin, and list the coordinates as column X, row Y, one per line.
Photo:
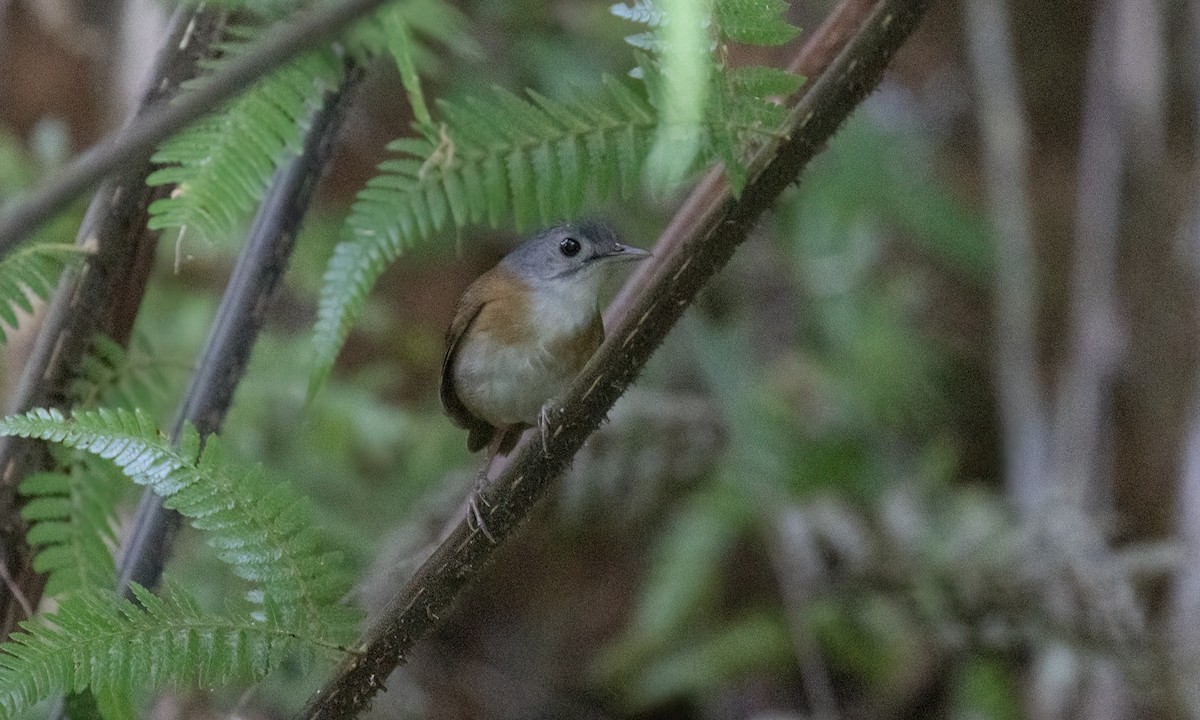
column 624, row 252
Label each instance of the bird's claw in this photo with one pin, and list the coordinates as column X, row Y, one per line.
column 544, row 429
column 474, row 514
column 475, row 517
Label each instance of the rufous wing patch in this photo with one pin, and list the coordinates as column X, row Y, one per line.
column 505, row 317
column 479, row 432
column 494, row 304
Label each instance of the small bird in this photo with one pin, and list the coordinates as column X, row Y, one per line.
column 522, row 332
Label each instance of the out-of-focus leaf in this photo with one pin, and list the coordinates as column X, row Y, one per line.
column 683, row 577
column 749, row 643
column 869, row 639
column 983, row 688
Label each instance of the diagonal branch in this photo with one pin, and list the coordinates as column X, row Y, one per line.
column 135, row 143
column 678, row 275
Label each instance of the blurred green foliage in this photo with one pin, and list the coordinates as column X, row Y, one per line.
column 849, row 406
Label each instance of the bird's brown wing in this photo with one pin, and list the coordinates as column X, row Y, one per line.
column 479, row 432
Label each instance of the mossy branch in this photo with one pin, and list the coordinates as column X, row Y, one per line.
column 674, row 281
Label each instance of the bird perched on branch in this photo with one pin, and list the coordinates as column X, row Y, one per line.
column 522, row 332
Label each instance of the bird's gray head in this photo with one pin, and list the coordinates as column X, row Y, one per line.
column 570, row 250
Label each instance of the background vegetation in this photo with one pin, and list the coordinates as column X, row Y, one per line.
column 926, row 448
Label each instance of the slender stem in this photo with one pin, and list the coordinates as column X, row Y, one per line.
column 673, row 284
column 796, row 563
column 137, row 141
column 1005, row 136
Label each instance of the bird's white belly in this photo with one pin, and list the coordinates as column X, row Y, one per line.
column 507, row 384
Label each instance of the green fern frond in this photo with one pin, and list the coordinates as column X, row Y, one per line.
column 263, row 531
column 754, row 22
column 222, row 164
column 120, row 649
column 72, row 511
column 496, row 155
column 425, row 21
column 743, row 112
column 113, row 376
column 31, row 270
column 73, row 514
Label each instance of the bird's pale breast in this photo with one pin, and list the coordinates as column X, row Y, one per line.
column 524, row 348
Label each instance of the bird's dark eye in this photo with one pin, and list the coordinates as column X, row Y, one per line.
column 569, row 247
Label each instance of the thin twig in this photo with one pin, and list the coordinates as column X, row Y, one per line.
column 14, row 589
column 1081, row 458
column 239, row 319
column 416, row 609
column 101, row 297
column 1140, row 76
column 135, row 143
column 1005, row 136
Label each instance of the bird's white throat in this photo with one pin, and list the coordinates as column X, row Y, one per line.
column 564, row 305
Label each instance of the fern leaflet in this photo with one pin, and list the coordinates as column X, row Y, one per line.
column 31, row 270
column 113, row 376
column 754, row 22
column 221, row 165
column 72, row 512
column 263, row 531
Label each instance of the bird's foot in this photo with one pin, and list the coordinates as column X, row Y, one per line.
column 474, row 514
column 544, row 429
